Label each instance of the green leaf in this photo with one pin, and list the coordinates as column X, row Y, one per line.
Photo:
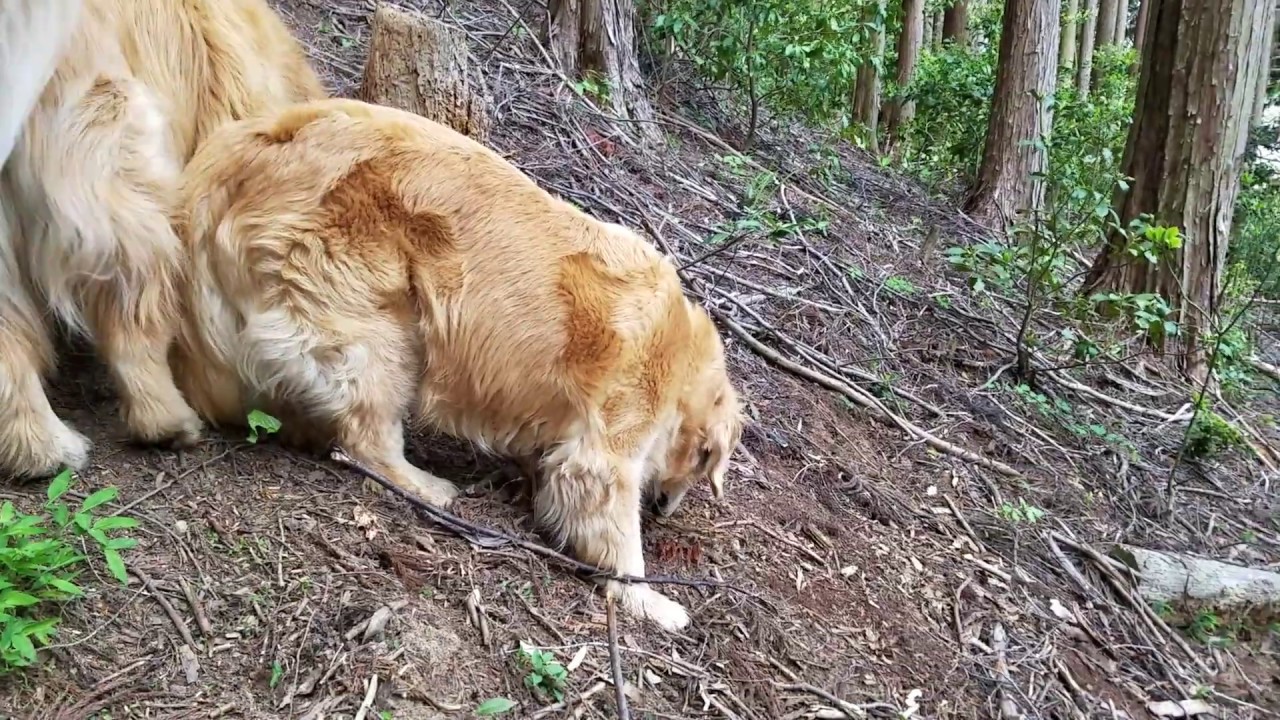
column 122, row 543
column 99, row 497
column 495, row 706
column 116, row 565
column 23, row 645
column 115, row 523
column 61, row 483
column 261, row 422
column 41, row 630
column 65, row 586
column 17, row 598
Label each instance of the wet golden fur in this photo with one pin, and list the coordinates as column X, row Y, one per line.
column 87, row 196
column 354, row 266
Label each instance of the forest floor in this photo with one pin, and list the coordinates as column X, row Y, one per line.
column 870, row 568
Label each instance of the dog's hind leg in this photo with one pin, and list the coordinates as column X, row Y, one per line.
column 591, row 502
column 109, row 260
column 34, row 442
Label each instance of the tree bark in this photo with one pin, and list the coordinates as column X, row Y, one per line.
column 587, row 37
column 1195, row 94
column 1106, row 28
column 900, row 111
column 1070, row 30
column 1084, row 66
column 1194, row 583
column 421, row 65
column 1122, row 22
column 1140, row 34
column 937, row 28
column 955, row 23
column 866, row 106
column 1264, row 82
column 1007, row 186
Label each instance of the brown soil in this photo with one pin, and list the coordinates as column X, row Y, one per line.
column 868, row 566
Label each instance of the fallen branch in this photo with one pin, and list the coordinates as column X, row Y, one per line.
column 479, row 534
column 174, row 617
column 1265, row 368
column 615, row 660
column 877, row 410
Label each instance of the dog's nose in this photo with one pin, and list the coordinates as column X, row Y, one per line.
column 661, row 505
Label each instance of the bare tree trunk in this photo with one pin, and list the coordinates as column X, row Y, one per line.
column 900, row 111
column 866, row 106
column 937, row 29
column 1140, row 34
column 1106, row 29
column 1070, row 29
column 1084, row 67
column 598, row 36
column 1008, row 184
column 1184, row 153
column 1122, row 22
column 955, row 23
column 1260, row 101
column 421, row 65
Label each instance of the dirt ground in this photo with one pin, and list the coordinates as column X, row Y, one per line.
column 872, row 575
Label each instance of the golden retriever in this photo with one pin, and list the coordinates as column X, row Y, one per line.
column 354, row 265
column 88, row 193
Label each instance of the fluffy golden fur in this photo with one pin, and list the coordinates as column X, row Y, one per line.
column 87, row 196
column 354, row 266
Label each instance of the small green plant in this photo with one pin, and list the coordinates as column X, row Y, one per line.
column 1021, row 512
column 593, row 87
column 1162, row 608
column 261, row 423
column 277, row 673
column 495, row 706
column 1210, row 435
column 39, row 564
column 900, row 285
column 546, row 675
column 1207, row 627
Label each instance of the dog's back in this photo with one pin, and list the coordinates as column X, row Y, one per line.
column 529, row 312
column 353, row 265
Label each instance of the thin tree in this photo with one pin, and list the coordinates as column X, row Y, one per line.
column 597, row 38
column 937, row 28
column 1122, row 22
column 1084, row 66
column 955, row 23
column 1070, row 29
column 1185, row 153
column 910, row 39
column 1106, row 27
column 1009, row 183
column 1264, row 83
column 866, row 103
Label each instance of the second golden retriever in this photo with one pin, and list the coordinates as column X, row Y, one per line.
column 354, row 266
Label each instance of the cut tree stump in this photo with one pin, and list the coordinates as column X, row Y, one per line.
column 421, row 65
column 1181, row 579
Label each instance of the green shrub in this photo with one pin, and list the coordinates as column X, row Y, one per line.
column 39, row 564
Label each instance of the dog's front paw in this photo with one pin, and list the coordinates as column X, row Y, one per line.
column 656, row 607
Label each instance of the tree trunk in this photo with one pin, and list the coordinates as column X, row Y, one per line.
column 597, row 37
column 1070, row 29
column 421, row 65
column 1140, row 34
column 1192, row 583
column 955, row 23
column 1008, row 185
column 1184, row 153
column 937, row 29
column 1122, row 22
column 1084, row 66
column 900, row 111
column 866, row 106
column 1260, row 100
column 1106, row 28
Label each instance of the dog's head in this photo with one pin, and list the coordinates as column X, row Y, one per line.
column 711, row 422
